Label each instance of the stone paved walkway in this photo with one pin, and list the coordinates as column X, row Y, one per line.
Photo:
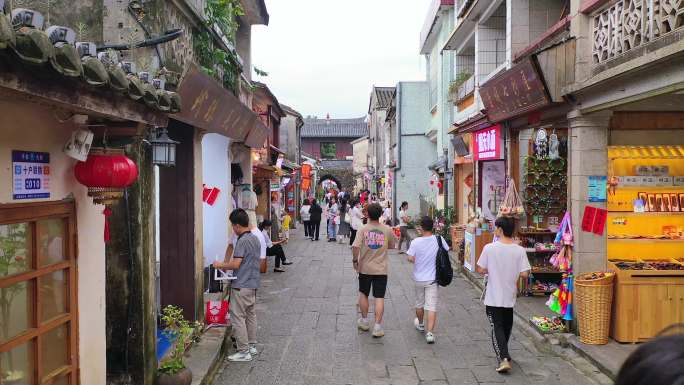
column 307, row 333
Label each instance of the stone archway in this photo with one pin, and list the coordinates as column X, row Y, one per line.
column 332, row 178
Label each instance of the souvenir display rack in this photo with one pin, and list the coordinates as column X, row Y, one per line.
column 645, row 239
column 544, row 278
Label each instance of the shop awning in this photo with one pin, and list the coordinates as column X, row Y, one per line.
column 645, row 152
column 211, row 107
column 476, row 123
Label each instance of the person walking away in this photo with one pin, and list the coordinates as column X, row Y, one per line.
column 274, row 248
column 286, row 225
column 333, row 219
column 315, row 212
column 370, row 261
column 504, row 262
column 356, row 221
column 244, row 262
column 423, row 254
column 404, row 220
column 306, row 218
column 344, row 229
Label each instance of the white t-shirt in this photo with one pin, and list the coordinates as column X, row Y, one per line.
column 425, row 251
column 402, row 214
column 387, row 213
column 267, row 238
column 260, row 237
column 504, row 263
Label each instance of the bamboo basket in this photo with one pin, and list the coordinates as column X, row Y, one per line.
column 593, row 299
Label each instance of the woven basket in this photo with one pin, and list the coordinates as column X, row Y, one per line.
column 593, row 299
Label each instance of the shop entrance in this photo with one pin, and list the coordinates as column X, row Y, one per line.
column 176, row 225
column 38, row 300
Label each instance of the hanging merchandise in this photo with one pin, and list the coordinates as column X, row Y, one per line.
column 541, row 144
column 554, row 144
column 511, row 206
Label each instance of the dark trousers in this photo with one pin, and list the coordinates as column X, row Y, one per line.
column 307, row 224
column 278, row 252
column 501, row 321
column 352, row 237
column 314, row 229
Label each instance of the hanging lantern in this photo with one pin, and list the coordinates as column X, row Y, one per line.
column 163, row 149
column 106, row 173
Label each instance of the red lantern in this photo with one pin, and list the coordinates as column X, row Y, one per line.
column 106, row 174
column 439, row 185
column 432, row 182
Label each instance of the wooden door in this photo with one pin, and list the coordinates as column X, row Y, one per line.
column 38, row 294
column 177, row 224
column 654, row 309
column 676, row 295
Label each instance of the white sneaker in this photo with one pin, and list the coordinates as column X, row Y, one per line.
column 430, row 338
column 253, row 350
column 363, row 325
column 419, row 326
column 240, row 357
column 377, row 331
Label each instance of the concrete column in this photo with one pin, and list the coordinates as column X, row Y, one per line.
column 588, row 155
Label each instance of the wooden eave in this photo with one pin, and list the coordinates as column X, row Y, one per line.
column 77, row 96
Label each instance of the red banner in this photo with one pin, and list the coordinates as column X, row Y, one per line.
column 487, row 143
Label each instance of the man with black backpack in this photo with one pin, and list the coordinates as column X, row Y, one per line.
column 427, row 253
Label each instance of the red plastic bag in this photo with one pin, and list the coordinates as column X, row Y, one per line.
column 217, row 313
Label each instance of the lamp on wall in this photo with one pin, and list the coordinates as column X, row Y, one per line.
column 163, row 148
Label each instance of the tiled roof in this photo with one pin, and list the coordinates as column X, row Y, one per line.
column 334, row 128
column 384, row 96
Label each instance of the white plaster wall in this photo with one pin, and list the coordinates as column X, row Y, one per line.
column 31, row 127
column 216, row 173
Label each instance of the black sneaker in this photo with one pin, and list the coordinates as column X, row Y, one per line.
column 278, row 270
column 287, row 263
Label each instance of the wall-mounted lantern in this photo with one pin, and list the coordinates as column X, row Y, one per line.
column 163, row 148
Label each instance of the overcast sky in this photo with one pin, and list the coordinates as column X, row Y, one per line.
column 323, row 56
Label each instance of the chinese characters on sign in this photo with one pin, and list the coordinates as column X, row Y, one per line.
column 597, row 188
column 488, row 143
column 30, row 175
column 514, row 92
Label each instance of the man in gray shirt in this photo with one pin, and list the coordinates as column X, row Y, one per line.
column 245, row 265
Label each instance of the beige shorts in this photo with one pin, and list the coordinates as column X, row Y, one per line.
column 427, row 295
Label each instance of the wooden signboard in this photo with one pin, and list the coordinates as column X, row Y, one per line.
column 515, row 92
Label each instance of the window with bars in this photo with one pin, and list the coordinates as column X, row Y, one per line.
column 38, row 303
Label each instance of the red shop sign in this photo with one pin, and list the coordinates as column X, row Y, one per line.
column 487, row 144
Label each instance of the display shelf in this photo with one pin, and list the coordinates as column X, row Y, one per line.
column 525, row 233
column 541, row 291
column 546, row 271
column 533, row 250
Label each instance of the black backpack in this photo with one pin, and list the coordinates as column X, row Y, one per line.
column 444, row 274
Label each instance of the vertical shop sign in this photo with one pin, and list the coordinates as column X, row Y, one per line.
column 597, row 188
column 30, row 174
column 469, row 251
column 487, row 143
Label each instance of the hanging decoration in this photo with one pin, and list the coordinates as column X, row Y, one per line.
column 106, row 173
column 560, row 301
column 512, row 205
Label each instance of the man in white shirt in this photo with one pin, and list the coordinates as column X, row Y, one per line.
column 423, row 254
column 504, row 262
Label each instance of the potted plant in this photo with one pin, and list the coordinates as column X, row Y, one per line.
column 172, row 370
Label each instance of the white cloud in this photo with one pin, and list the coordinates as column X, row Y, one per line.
column 323, row 56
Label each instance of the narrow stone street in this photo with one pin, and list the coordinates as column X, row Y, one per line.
column 307, row 332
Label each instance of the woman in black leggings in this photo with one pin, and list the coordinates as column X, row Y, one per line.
column 274, row 248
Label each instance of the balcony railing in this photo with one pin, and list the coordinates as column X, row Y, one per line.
column 627, row 24
column 464, row 90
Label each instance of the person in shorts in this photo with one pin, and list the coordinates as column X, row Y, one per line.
column 370, row 261
column 423, row 254
column 244, row 262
